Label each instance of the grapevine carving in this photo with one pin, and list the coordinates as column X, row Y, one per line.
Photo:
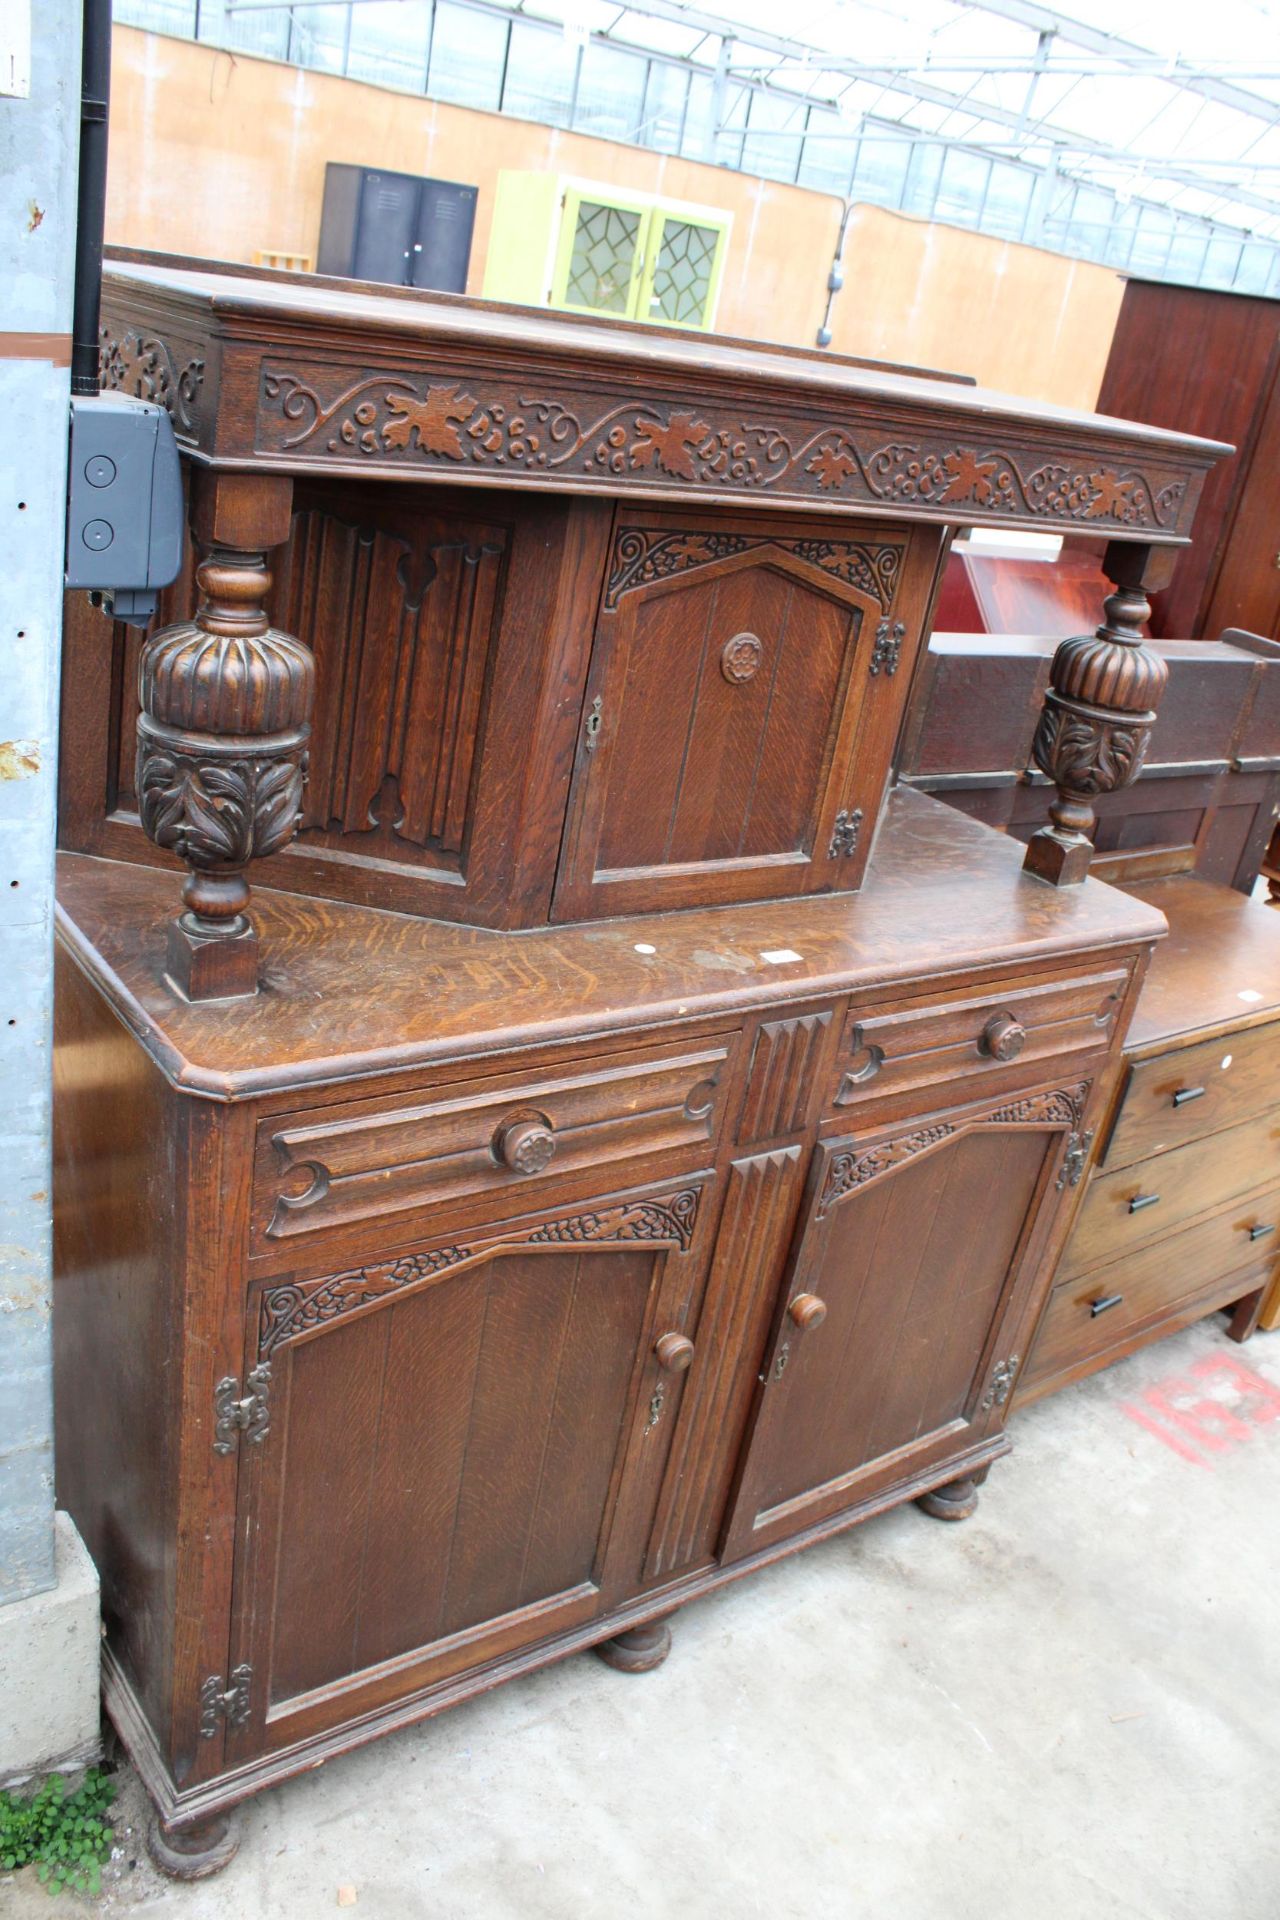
column 397, row 419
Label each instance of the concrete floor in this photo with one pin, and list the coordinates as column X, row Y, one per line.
column 1065, row 1709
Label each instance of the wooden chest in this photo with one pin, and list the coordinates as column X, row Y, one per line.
column 1182, row 1211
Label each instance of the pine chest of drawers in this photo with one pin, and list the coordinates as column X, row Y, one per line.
column 1182, row 1212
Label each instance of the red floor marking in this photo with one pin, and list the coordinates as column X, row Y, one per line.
column 1262, row 1400
column 1178, row 1413
column 1171, row 1440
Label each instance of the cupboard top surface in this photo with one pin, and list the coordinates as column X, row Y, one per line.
column 300, row 373
column 349, row 991
column 1219, row 967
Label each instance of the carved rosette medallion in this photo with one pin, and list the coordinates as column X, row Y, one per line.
column 740, row 658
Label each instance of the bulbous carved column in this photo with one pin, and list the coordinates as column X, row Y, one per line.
column 1098, row 713
column 222, row 738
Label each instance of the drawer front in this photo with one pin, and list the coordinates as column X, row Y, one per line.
column 1193, row 1091
column 971, row 1035
column 512, row 1134
column 1088, row 1315
column 1127, row 1208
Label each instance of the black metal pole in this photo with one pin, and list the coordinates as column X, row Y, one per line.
column 95, row 90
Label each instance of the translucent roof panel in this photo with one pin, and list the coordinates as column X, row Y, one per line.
column 1156, row 124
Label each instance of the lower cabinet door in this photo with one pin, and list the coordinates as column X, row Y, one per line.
column 916, row 1249
column 461, row 1456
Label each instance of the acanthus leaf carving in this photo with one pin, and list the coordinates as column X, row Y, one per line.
column 217, row 812
column 1088, row 753
column 294, row 1308
column 853, row 1167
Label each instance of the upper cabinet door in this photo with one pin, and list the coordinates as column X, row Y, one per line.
column 600, row 256
column 891, row 1352
column 741, row 709
column 683, row 267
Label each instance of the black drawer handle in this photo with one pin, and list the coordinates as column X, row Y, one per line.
column 1141, row 1201
column 1185, row 1095
column 1260, row 1233
column 1104, row 1305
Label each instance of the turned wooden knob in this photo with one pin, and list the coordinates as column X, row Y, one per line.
column 1003, row 1037
column 674, row 1352
column 525, row 1145
column 807, row 1310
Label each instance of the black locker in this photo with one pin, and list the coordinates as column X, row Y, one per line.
column 396, row 228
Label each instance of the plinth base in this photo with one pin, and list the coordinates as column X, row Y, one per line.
column 1061, row 859
column 212, row 966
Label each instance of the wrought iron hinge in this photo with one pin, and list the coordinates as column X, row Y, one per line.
column 844, row 840
column 592, row 728
column 233, row 1415
column 1075, row 1159
column 224, row 1703
column 888, row 645
column 1000, row 1385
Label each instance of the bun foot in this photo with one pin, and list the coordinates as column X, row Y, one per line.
column 194, row 1852
column 956, row 1501
column 639, row 1650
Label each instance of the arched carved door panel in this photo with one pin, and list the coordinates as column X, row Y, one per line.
column 459, row 1452
column 916, row 1246
column 786, row 657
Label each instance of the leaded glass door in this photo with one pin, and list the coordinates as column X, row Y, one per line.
column 685, row 260
column 601, row 256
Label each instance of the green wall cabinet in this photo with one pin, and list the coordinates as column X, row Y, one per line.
column 586, row 247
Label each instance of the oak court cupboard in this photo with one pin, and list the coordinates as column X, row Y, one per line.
column 620, row 1140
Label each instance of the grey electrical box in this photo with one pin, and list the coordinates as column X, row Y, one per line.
column 125, row 521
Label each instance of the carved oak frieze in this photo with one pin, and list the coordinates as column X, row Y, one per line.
column 855, row 1167
column 667, row 1220
column 145, row 366
column 480, row 420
